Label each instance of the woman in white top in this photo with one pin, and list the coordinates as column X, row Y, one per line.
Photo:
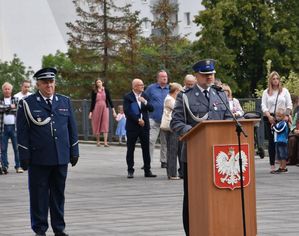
column 274, row 98
column 173, row 147
column 234, row 104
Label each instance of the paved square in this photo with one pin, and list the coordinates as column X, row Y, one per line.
column 101, row 201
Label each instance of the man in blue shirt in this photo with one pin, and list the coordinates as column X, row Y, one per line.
column 157, row 93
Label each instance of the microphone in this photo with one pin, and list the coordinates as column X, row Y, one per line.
column 217, row 88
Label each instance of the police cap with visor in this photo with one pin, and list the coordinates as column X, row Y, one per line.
column 206, row 66
column 45, row 74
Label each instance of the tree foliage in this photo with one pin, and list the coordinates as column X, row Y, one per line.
column 14, row 72
column 236, row 34
column 248, row 33
column 283, row 48
column 98, row 30
column 241, row 35
column 165, row 26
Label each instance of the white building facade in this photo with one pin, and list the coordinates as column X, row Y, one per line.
column 188, row 9
column 34, row 28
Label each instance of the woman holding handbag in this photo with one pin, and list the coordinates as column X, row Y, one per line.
column 171, row 137
column 274, row 97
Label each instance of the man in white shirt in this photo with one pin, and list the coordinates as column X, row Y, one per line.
column 25, row 90
column 8, row 110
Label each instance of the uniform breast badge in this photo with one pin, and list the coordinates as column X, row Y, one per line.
column 215, row 106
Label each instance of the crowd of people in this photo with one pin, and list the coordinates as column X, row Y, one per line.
column 163, row 110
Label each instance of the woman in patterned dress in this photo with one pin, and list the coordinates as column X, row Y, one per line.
column 99, row 111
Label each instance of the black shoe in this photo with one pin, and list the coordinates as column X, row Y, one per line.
column 1, row 173
column 280, row 170
column 61, row 234
column 130, row 175
column 5, row 170
column 163, row 165
column 40, row 234
column 261, row 152
column 149, row 174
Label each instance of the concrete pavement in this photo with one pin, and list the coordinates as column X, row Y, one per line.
column 101, row 201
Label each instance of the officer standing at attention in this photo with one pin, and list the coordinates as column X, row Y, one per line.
column 47, row 142
column 199, row 103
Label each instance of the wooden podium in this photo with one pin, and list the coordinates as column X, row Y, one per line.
column 214, row 211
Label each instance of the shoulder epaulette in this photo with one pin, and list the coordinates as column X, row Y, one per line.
column 187, row 90
column 61, row 95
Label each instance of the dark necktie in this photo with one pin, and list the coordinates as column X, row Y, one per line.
column 206, row 92
column 48, row 100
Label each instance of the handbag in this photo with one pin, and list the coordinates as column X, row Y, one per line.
column 165, row 122
column 265, row 118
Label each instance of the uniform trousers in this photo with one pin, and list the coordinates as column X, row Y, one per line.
column 46, row 188
column 173, row 153
column 154, row 134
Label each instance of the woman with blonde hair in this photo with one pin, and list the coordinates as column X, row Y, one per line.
column 171, row 137
column 234, row 103
column 274, row 97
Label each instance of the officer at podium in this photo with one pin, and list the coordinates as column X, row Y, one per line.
column 47, row 142
column 195, row 105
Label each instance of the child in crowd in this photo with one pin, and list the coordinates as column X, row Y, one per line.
column 281, row 133
column 121, row 126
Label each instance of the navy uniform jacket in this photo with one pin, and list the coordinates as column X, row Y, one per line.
column 48, row 144
column 182, row 122
column 133, row 112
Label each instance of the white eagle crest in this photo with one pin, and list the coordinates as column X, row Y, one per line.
column 228, row 165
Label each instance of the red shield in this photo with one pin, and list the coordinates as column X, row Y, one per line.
column 226, row 166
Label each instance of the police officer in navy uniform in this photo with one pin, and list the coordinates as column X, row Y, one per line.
column 47, row 142
column 199, row 103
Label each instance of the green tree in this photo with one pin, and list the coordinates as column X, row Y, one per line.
column 165, row 27
column 130, row 44
column 97, row 33
column 236, row 34
column 14, row 72
column 283, row 48
column 291, row 83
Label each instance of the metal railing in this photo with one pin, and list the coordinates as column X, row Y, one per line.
column 81, row 109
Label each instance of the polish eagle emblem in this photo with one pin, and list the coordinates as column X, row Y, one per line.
column 227, row 166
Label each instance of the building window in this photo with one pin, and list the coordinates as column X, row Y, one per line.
column 187, row 18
